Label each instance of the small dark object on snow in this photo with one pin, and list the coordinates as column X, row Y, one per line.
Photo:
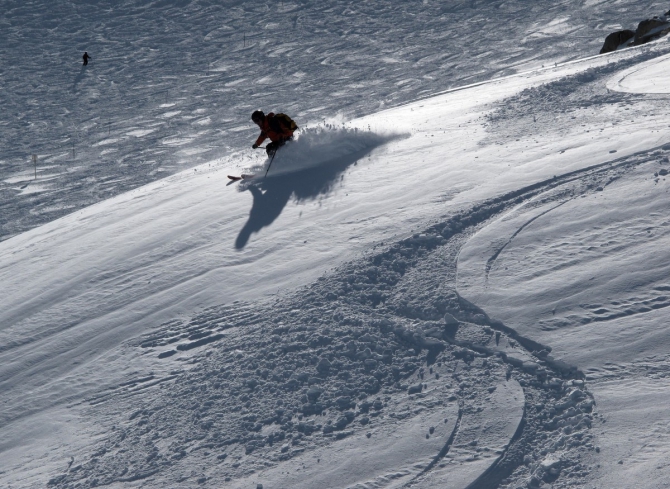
column 86, row 57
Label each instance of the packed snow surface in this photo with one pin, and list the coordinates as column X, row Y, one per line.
column 649, row 78
column 465, row 290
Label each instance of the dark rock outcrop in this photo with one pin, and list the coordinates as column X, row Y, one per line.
column 647, row 30
column 616, row 39
column 651, row 29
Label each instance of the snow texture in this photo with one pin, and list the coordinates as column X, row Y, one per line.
column 454, row 276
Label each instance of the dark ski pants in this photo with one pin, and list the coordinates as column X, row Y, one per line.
column 272, row 148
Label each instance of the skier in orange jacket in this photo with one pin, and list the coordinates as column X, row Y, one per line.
column 278, row 127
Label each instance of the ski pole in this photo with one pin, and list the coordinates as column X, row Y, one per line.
column 271, row 160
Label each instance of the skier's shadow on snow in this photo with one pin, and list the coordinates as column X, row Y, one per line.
column 79, row 77
column 273, row 193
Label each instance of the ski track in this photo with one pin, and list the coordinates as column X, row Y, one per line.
column 495, row 256
column 338, row 359
column 239, row 393
column 381, row 333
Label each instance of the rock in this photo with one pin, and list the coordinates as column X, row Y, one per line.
column 663, row 172
column 650, row 29
column 415, row 389
column 616, row 39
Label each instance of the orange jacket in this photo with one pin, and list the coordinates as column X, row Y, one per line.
column 274, row 130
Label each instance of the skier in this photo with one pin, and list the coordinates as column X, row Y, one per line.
column 278, row 127
column 86, row 57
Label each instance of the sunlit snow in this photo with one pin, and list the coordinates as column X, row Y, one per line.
column 455, row 276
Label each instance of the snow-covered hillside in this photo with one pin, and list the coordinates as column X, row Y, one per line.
column 466, row 289
column 172, row 83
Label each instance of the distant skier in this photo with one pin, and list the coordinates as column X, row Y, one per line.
column 278, row 127
column 86, row 57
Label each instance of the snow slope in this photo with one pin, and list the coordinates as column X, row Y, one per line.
column 334, row 322
column 587, row 274
column 172, row 83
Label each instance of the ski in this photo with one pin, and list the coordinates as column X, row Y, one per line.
column 241, row 177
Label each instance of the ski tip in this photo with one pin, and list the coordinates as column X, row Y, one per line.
column 234, row 179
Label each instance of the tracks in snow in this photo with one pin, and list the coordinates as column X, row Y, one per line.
column 360, row 350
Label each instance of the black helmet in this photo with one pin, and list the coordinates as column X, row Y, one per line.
column 257, row 116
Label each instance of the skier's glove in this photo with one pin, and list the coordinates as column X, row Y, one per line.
column 254, row 146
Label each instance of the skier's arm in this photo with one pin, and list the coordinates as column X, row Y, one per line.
column 260, row 139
